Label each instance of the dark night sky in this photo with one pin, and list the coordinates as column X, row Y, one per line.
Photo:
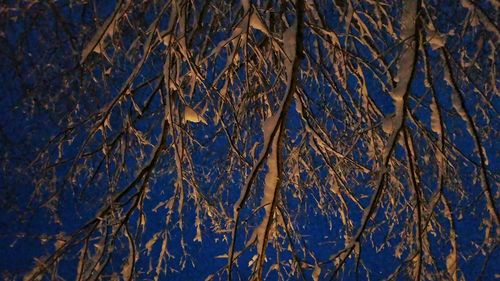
column 36, row 102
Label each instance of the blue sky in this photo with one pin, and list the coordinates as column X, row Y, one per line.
column 45, row 91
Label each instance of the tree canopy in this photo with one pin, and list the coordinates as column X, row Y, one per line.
column 229, row 140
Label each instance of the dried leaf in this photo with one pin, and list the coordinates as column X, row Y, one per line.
column 192, row 116
column 316, row 273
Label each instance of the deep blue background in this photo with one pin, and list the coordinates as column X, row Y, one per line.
column 35, row 110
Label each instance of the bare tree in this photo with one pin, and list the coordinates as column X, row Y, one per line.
column 298, row 139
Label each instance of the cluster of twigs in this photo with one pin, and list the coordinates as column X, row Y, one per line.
column 240, row 118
